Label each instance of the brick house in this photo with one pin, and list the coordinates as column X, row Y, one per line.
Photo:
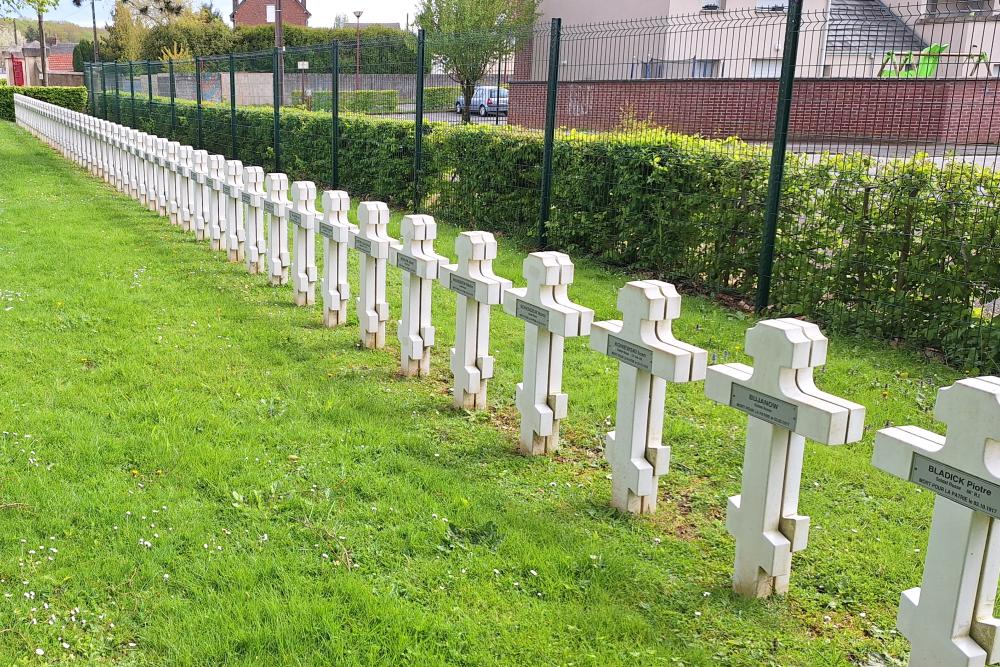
column 711, row 67
column 261, row 12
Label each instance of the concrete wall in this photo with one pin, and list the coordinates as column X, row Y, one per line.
column 65, row 78
column 880, row 110
column 256, row 88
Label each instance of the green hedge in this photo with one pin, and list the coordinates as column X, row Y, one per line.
column 359, row 101
column 438, row 98
column 900, row 249
column 71, row 97
column 376, row 154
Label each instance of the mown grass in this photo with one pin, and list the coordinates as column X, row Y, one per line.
column 194, row 471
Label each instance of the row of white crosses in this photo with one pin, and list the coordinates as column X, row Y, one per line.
column 949, row 619
column 764, row 518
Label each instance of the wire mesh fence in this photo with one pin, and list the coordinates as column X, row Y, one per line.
column 658, row 145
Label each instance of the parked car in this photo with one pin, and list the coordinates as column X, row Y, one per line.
column 486, row 100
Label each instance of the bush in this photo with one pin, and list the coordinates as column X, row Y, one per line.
column 361, row 101
column 909, row 250
column 378, row 151
column 71, row 97
column 439, row 98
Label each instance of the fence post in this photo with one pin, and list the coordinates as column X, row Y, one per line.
column 104, row 95
column 788, row 60
column 418, row 135
column 232, row 106
column 149, row 80
column 197, row 98
column 131, row 86
column 550, row 129
column 277, row 109
column 118, row 95
column 335, row 104
column 88, row 68
column 173, row 103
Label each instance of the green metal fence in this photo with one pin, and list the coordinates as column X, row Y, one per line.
column 837, row 165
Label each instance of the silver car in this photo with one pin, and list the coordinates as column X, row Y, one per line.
column 486, row 100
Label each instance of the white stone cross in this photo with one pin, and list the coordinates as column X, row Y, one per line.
column 416, row 258
column 172, row 179
column 784, row 408
column 153, row 182
column 252, row 201
column 302, row 214
column 372, row 243
column 477, row 289
column 117, row 163
column 276, row 207
column 949, row 619
column 134, row 161
column 235, row 232
column 173, row 182
column 549, row 318
column 649, row 356
column 185, row 188
column 335, row 228
column 140, row 166
column 216, row 215
column 199, row 176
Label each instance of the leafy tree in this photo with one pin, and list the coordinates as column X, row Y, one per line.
column 83, row 52
column 197, row 33
column 467, row 36
column 155, row 12
column 40, row 7
column 125, row 35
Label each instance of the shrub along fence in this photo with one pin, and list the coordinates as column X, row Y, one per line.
column 901, row 247
column 71, row 97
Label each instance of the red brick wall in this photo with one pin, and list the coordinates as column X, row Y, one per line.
column 954, row 111
column 254, row 12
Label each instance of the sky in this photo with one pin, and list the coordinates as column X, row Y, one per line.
column 323, row 11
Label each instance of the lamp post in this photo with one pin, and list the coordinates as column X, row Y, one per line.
column 357, row 52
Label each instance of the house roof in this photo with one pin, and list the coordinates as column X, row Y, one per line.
column 868, row 26
column 302, row 3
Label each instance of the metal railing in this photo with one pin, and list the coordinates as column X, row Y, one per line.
column 836, row 164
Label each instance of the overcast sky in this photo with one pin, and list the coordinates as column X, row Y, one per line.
column 323, row 11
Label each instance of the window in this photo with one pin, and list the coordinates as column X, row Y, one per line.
column 765, row 68
column 996, row 69
column 772, row 5
column 704, row 69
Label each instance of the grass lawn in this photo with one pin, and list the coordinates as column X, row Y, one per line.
column 194, row 471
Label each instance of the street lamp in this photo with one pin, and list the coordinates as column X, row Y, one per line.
column 357, row 52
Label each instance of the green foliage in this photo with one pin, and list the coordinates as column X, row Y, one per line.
column 64, row 31
column 83, row 52
column 466, row 37
column 437, row 98
column 357, row 101
column 125, row 35
column 189, row 34
column 379, row 151
column 383, row 50
column 71, row 97
column 327, row 487
column 370, row 101
column 909, row 254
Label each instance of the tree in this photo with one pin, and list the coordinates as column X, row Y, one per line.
column 153, row 12
column 40, row 7
column 125, row 35
column 467, row 36
column 83, row 52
